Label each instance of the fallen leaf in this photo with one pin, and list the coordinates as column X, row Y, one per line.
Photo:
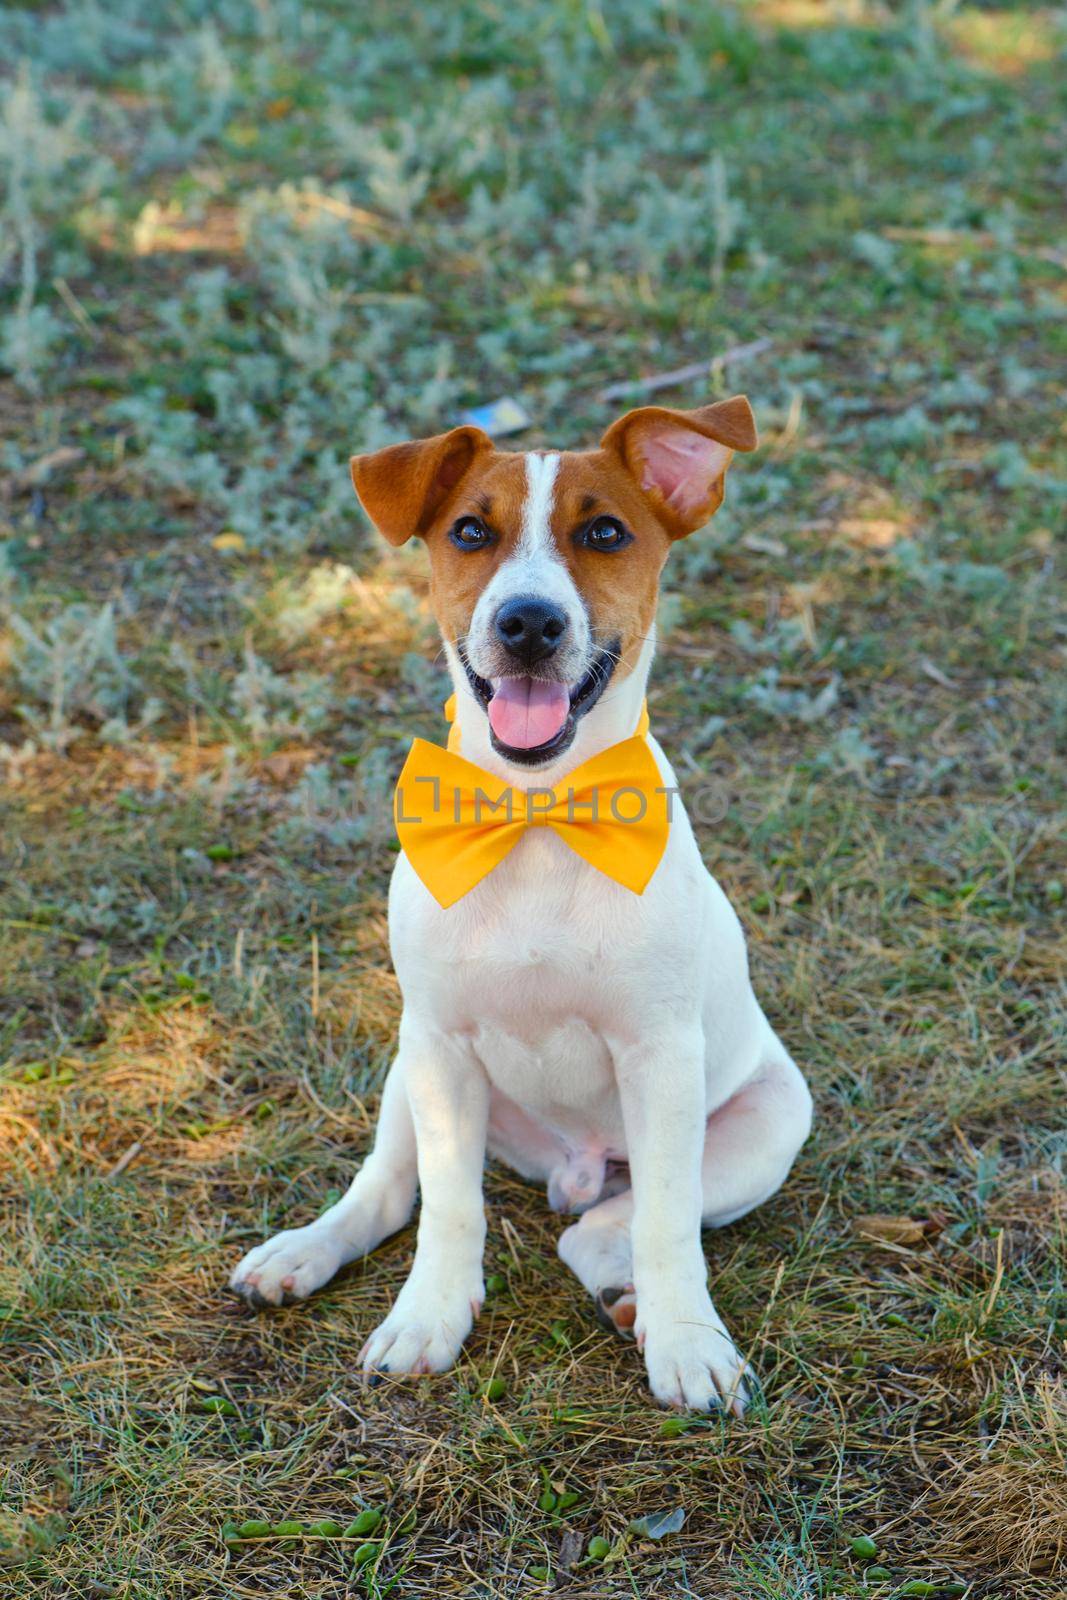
column 898, row 1230
column 570, row 1548
column 659, row 1524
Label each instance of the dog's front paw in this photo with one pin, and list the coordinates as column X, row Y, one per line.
column 290, row 1266
column 425, row 1329
column 692, row 1362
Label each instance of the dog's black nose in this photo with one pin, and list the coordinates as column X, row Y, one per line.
column 530, row 629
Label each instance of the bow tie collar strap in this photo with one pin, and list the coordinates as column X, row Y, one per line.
column 456, row 821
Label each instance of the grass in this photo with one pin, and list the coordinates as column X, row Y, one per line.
column 238, row 243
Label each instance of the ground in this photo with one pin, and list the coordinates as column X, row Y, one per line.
column 239, row 242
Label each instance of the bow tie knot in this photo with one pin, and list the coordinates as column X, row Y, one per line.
column 456, row 821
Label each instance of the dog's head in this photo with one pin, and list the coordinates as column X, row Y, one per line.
column 545, row 567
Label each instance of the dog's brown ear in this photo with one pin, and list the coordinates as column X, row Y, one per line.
column 679, row 458
column 403, row 487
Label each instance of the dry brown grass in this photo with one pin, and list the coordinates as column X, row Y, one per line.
column 1007, row 1495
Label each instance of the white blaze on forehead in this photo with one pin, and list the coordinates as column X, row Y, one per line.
column 535, row 568
column 536, row 534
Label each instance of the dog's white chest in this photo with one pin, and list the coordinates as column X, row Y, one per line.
column 524, row 970
column 560, row 1069
column 535, row 1015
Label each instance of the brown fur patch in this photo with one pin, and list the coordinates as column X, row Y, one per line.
column 619, row 587
column 494, row 490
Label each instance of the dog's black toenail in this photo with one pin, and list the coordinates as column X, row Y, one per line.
column 603, row 1317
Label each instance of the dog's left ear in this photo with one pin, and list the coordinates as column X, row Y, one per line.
column 679, row 458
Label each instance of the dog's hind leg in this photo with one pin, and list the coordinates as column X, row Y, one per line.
column 598, row 1251
column 753, row 1139
column 295, row 1263
column 749, row 1147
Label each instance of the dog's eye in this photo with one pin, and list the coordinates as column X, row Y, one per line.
column 604, row 533
column 470, row 534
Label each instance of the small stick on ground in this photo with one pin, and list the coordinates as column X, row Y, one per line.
column 129, row 1155
column 695, row 369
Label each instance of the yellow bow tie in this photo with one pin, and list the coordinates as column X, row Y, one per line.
column 456, row 821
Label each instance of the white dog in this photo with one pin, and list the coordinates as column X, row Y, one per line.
column 603, row 1041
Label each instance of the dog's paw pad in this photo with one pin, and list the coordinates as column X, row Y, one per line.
column 616, row 1309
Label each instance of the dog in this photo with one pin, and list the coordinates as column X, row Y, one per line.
column 604, row 1042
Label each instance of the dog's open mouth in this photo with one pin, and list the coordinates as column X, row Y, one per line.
column 531, row 720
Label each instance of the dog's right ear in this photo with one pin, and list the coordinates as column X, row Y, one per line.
column 403, row 487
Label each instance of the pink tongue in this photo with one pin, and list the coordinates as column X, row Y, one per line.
column 525, row 712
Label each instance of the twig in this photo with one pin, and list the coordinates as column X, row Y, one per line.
column 334, row 1399
column 938, row 676
column 696, row 369
column 76, row 309
column 45, row 468
column 358, row 216
column 123, row 1161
